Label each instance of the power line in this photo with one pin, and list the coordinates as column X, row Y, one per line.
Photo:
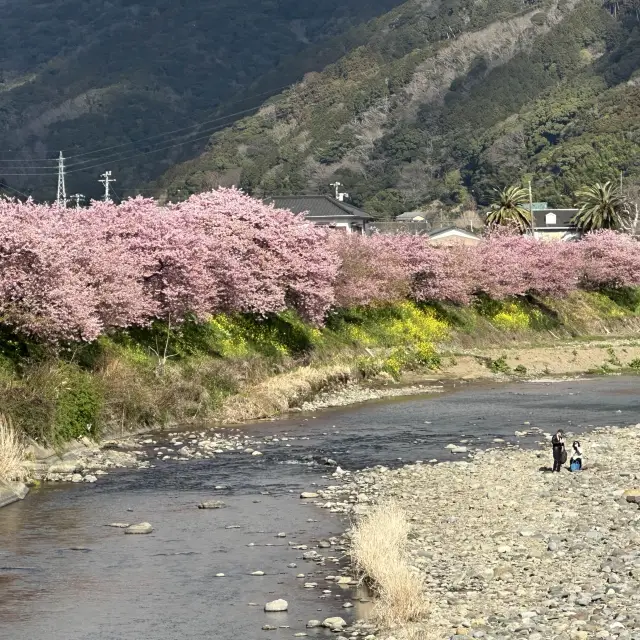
column 115, row 156
column 107, row 158
column 155, row 136
column 191, row 126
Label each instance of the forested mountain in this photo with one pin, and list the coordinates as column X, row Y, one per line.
column 81, row 75
column 445, row 100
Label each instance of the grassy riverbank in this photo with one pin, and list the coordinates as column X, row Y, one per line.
column 235, row 368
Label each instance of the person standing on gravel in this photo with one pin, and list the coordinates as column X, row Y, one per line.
column 559, row 451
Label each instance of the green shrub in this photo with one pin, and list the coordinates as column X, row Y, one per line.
column 500, row 365
column 520, row 369
column 635, row 364
column 613, row 358
column 77, row 405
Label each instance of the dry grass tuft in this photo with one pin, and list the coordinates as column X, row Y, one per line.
column 12, row 452
column 379, row 551
column 280, row 393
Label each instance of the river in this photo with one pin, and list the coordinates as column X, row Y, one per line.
column 66, row 576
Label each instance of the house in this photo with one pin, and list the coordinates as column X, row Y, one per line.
column 326, row 211
column 554, row 224
column 453, row 235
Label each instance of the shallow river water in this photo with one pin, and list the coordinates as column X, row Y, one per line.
column 66, row 576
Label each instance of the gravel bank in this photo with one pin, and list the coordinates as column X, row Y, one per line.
column 353, row 393
column 511, row 550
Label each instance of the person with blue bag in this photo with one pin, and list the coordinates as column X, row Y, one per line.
column 575, row 464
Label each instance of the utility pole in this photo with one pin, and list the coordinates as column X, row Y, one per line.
column 107, row 180
column 533, row 224
column 61, row 199
column 77, row 198
column 340, row 195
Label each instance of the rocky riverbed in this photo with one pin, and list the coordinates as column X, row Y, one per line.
column 511, row 550
column 88, row 460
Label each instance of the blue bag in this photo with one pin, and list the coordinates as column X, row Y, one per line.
column 575, row 465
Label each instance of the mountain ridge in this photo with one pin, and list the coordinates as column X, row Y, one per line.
column 383, row 124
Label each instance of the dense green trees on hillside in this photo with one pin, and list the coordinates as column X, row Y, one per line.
column 564, row 113
column 83, row 75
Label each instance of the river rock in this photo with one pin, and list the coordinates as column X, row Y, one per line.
column 119, row 525
column 335, row 623
column 142, row 527
column 632, row 495
column 65, row 466
column 308, row 495
column 312, row 624
column 212, row 504
column 276, row 605
column 257, row 573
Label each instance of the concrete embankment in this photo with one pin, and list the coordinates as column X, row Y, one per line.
column 11, row 492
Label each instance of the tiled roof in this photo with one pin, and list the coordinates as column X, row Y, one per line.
column 319, row 207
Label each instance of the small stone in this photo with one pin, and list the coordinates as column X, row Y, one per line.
column 212, row 504
column 257, row 573
column 119, row 525
column 219, row 575
column 268, row 627
column 312, row 624
column 308, row 495
column 276, row 605
column 347, row 605
column 90, row 478
column 256, row 453
column 281, row 535
column 76, row 477
column 632, row 495
column 142, row 527
column 292, row 565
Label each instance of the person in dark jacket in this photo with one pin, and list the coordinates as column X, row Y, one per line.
column 559, row 454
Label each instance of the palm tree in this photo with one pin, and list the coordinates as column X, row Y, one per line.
column 509, row 209
column 602, row 206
